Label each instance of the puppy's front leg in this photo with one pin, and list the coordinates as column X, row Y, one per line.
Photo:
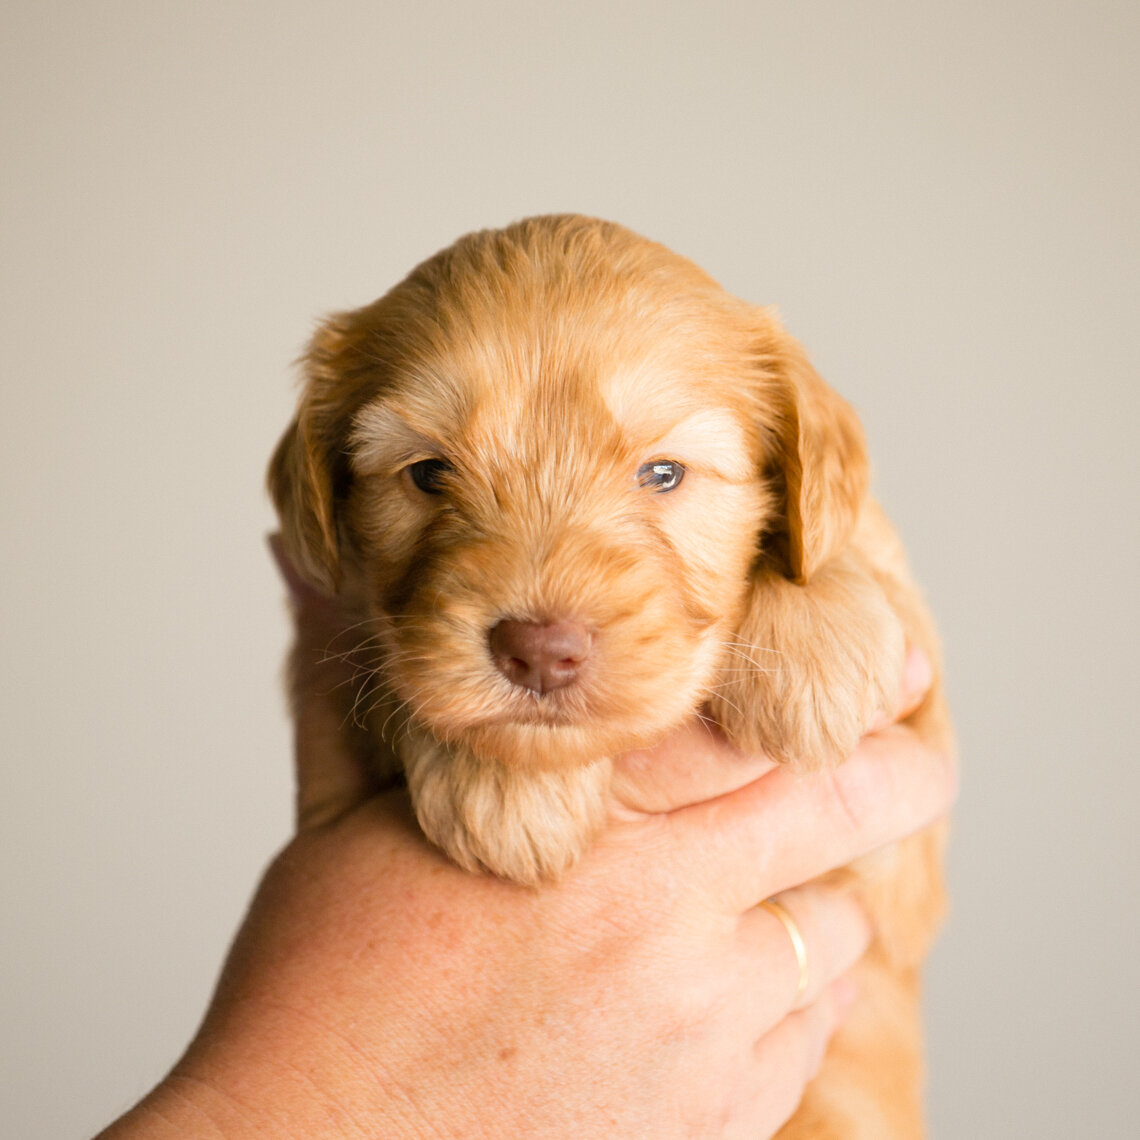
column 521, row 824
column 811, row 664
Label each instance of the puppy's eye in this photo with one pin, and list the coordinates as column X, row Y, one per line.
column 428, row 474
column 661, row 476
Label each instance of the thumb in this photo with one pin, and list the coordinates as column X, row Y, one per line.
column 330, row 683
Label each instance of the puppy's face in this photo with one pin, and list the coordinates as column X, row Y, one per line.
column 542, row 465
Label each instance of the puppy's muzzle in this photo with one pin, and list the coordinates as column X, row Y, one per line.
column 540, row 656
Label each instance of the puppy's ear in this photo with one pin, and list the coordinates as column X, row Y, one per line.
column 306, row 466
column 302, row 492
column 821, row 452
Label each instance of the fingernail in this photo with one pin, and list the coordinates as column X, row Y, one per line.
column 845, row 992
column 918, row 673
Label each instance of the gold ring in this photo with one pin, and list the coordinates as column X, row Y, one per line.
column 798, row 946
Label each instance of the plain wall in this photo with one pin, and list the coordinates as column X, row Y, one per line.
column 942, row 198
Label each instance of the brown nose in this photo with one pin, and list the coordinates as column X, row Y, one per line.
column 539, row 656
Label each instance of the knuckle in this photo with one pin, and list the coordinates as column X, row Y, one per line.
column 860, row 788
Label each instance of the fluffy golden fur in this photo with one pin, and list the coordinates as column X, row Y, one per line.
column 536, row 371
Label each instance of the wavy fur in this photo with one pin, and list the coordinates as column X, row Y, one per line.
column 546, row 364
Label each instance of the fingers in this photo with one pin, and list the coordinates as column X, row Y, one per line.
column 834, row 932
column 693, row 763
column 918, row 676
column 764, row 972
column 331, row 755
column 792, row 1053
column 785, row 1045
column 785, row 829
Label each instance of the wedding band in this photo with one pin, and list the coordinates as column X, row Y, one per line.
column 798, row 946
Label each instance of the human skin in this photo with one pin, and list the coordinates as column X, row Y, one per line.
column 376, row 990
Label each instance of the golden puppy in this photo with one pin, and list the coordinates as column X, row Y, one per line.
column 574, row 492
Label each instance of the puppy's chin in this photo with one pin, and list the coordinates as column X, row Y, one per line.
column 554, row 747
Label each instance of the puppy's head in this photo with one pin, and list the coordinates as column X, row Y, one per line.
column 544, row 466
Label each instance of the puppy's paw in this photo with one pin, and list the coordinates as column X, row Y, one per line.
column 811, row 666
column 527, row 826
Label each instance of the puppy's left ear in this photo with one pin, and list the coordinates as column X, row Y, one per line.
column 821, row 451
column 836, row 645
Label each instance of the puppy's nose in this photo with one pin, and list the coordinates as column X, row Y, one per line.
column 539, row 656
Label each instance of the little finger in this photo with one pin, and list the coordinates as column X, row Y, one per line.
column 790, row 1056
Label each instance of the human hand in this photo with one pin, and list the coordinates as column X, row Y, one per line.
column 376, row 989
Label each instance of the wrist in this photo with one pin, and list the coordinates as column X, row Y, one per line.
column 183, row 1109
column 264, row 1085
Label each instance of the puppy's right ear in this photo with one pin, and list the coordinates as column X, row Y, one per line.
column 303, row 472
column 822, row 454
column 301, row 488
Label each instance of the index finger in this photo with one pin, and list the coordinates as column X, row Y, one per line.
column 692, row 763
column 785, row 829
column 696, row 762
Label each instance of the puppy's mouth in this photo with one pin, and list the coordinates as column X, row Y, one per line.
column 567, row 707
column 546, row 734
column 539, row 715
column 548, row 690
column 549, row 710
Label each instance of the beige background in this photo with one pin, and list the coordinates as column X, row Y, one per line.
column 941, row 197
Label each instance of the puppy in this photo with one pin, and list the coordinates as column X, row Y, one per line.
column 574, row 492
